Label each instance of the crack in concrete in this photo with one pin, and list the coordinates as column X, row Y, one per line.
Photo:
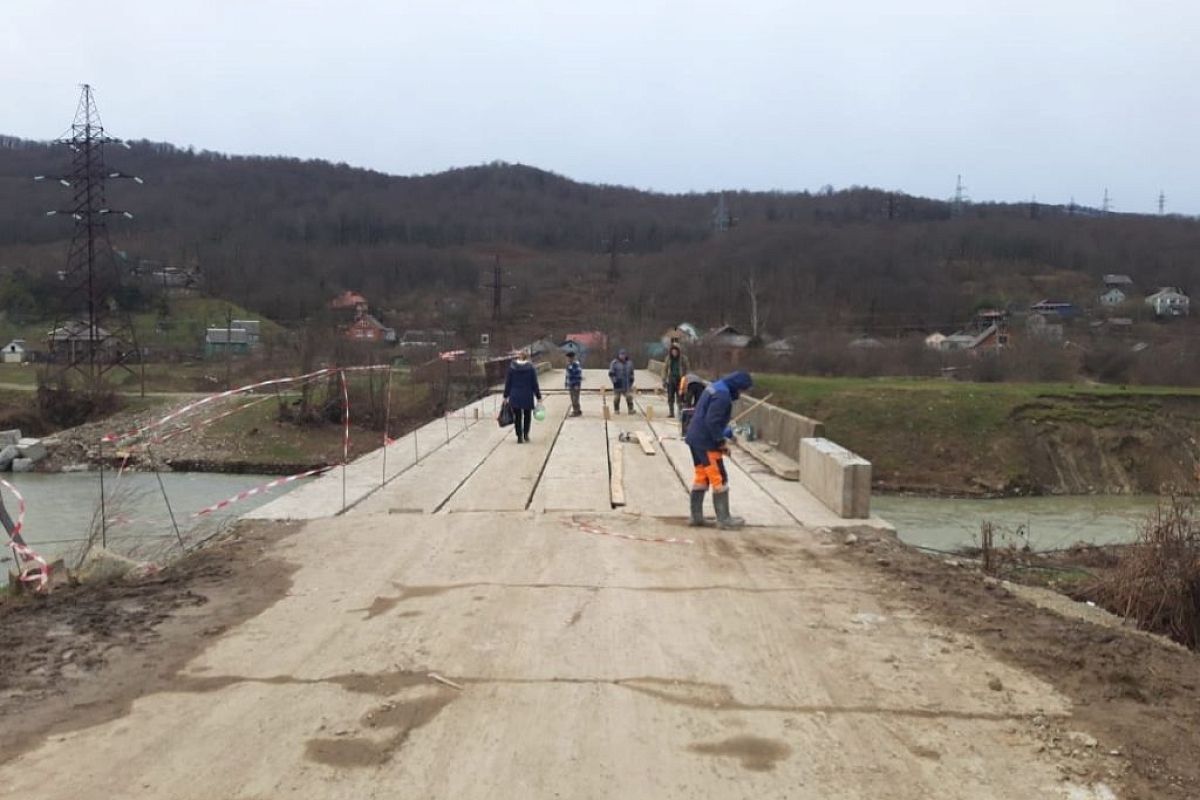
column 673, row 691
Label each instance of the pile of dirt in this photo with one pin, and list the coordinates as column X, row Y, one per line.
column 1138, row 695
column 81, row 654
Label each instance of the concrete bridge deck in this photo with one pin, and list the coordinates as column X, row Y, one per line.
column 577, row 653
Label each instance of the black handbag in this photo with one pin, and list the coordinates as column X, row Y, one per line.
column 505, row 417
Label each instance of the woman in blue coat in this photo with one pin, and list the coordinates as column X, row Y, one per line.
column 522, row 393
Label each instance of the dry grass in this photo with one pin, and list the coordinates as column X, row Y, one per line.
column 1156, row 582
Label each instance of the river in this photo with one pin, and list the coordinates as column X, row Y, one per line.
column 60, row 509
column 1046, row 523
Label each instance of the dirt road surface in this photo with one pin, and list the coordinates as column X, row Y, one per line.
column 488, row 626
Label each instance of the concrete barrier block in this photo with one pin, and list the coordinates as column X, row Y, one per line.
column 837, row 477
column 10, row 437
column 7, row 454
column 33, row 449
column 22, row 465
column 780, row 428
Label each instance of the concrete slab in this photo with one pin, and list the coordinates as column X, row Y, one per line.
column 576, row 474
column 506, row 480
column 651, row 486
column 325, row 496
column 426, row 486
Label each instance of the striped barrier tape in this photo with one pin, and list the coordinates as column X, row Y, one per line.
column 39, row 574
column 589, row 527
column 266, row 487
column 212, row 398
column 209, row 421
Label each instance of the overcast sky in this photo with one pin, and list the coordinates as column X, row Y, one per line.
column 1054, row 98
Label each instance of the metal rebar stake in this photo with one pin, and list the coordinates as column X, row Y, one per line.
column 162, row 488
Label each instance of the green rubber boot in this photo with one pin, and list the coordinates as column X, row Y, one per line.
column 697, row 519
column 725, row 521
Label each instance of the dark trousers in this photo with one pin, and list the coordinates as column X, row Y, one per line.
column 617, row 399
column 672, row 390
column 574, row 391
column 521, row 419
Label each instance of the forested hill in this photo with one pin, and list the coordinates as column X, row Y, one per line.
column 282, row 234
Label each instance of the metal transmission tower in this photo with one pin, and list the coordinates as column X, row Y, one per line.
column 497, row 286
column 1107, row 206
column 93, row 332
column 960, row 196
column 1162, row 202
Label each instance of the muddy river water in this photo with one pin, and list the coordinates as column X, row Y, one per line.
column 1045, row 523
column 60, row 509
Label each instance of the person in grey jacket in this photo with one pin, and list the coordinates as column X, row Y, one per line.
column 620, row 372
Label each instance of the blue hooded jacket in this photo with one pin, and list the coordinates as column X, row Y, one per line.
column 713, row 412
column 521, row 385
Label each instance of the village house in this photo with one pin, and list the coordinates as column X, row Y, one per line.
column 1169, row 302
column 74, row 340
column 350, row 301
column 1113, row 297
column 222, row 341
column 584, row 342
column 366, row 328
column 1064, row 309
column 15, row 352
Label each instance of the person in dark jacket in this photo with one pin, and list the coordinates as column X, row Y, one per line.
column 706, row 437
column 521, row 390
column 674, row 367
column 620, row 372
column 574, row 381
column 691, row 387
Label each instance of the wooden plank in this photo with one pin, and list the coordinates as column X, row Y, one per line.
column 616, row 474
column 646, row 441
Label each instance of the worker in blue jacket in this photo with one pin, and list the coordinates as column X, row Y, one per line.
column 706, row 436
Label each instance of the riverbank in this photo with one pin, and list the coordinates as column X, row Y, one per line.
column 961, row 439
column 259, row 433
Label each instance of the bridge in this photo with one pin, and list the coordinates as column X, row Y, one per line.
column 473, row 618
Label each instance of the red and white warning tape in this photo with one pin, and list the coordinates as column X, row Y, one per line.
column 590, row 527
column 212, row 398
column 266, row 487
column 39, row 574
column 206, row 422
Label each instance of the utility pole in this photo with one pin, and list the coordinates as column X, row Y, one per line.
column 87, row 288
column 497, row 286
column 614, row 269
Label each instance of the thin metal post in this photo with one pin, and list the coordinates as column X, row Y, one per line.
column 162, row 488
column 387, row 420
column 103, row 510
column 346, row 435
